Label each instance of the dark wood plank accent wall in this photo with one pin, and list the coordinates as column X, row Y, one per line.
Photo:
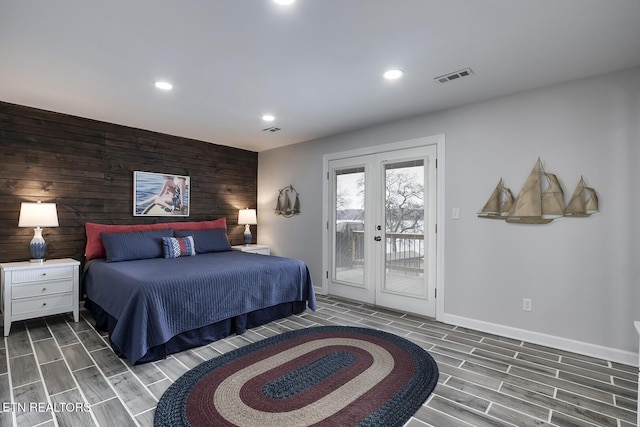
column 86, row 167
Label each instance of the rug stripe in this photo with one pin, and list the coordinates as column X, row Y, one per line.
column 251, row 392
column 301, row 379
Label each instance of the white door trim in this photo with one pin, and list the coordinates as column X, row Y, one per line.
column 439, row 141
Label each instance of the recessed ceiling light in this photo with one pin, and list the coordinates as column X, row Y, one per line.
column 164, row 85
column 393, row 74
column 268, row 118
column 284, row 2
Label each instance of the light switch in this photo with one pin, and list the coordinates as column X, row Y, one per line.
column 455, row 213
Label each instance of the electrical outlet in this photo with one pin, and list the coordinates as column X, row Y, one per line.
column 526, row 304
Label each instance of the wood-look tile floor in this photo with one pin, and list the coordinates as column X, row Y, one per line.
column 65, row 374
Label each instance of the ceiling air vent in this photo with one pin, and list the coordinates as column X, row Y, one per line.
column 271, row 129
column 454, row 76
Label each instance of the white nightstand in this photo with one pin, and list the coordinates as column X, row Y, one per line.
column 32, row 290
column 254, row 249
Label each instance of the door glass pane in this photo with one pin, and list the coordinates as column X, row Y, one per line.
column 349, row 228
column 404, row 268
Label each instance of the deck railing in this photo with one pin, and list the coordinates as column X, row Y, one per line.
column 403, row 251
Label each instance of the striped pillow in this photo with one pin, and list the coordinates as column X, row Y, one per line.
column 175, row 247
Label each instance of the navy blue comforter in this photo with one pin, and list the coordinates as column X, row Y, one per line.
column 156, row 299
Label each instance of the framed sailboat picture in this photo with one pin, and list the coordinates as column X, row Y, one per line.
column 157, row 194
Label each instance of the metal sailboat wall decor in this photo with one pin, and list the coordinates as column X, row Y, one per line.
column 498, row 204
column 283, row 204
column 540, row 201
column 584, row 201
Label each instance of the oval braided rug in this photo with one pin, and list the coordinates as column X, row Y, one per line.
column 324, row 376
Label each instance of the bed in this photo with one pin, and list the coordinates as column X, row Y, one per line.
column 153, row 306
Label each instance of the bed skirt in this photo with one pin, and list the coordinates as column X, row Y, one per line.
column 201, row 336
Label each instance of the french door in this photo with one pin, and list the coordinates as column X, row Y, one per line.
column 382, row 229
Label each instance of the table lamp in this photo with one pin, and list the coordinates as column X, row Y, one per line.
column 247, row 217
column 38, row 215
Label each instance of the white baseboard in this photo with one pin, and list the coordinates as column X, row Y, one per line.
column 587, row 349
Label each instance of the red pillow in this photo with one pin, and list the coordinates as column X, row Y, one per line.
column 195, row 225
column 95, row 249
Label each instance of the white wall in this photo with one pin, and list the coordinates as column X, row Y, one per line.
column 581, row 273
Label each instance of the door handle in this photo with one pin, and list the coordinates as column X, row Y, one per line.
column 377, row 238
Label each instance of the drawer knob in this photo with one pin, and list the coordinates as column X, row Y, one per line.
column 44, row 289
column 44, row 274
column 44, row 303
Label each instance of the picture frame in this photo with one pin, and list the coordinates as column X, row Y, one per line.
column 160, row 194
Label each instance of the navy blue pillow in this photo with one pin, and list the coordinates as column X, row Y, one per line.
column 134, row 245
column 214, row 240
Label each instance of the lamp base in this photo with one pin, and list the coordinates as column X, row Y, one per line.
column 37, row 246
column 247, row 235
column 37, row 260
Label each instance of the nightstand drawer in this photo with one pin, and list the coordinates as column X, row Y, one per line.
column 41, row 289
column 33, row 305
column 42, row 273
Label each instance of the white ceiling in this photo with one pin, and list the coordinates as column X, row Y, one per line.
column 316, row 65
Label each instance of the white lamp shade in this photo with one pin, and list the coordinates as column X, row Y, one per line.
column 38, row 215
column 247, row 216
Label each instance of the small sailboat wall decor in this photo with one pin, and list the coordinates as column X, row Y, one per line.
column 583, row 203
column 540, row 201
column 283, row 204
column 498, row 204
